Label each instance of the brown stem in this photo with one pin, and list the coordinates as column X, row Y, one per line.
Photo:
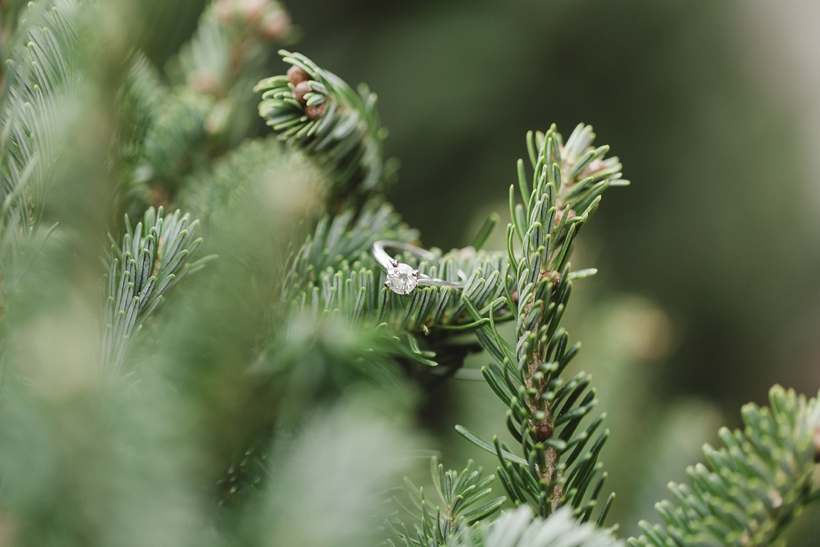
column 544, row 427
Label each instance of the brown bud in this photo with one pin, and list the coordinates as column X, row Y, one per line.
column 543, row 431
column 299, row 92
column 296, row 75
column 316, row 111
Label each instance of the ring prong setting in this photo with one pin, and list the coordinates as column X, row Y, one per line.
column 401, row 278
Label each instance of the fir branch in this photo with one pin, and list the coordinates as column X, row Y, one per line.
column 427, row 320
column 152, row 258
column 753, row 487
column 334, row 271
column 41, row 73
column 344, row 238
column 464, row 498
column 357, row 289
column 315, row 110
column 557, row 466
column 521, row 529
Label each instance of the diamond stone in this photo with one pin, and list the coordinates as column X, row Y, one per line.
column 402, row 279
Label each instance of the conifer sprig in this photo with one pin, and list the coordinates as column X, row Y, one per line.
column 347, row 280
column 465, row 498
column 40, row 75
column 559, row 465
column 753, row 487
column 317, row 111
column 152, row 258
column 344, row 238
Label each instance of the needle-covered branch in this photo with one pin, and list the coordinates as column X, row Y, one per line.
column 752, row 488
column 41, row 73
column 465, row 498
column 559, row 464
column 335, row 272
column 315, row 110
column 152, row 258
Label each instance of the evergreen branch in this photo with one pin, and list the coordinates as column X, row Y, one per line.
column 344, row 238
column 328, row 481
column 334, row 271
column 358, row 290
column 40, row 75
column 153, row 257
column 753, row 487
column 310, row 362
column 464, row 501
column 315, row 110
column 425, row 320
column 521, row 529
column 560, row 465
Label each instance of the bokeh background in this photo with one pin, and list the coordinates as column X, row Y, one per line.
column 709, row 283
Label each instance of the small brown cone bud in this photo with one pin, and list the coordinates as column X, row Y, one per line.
column 296, row 75
column 299, row 92
column 315, row 111
column 543, row 431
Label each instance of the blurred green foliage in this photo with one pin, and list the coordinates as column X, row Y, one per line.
column 708, row 291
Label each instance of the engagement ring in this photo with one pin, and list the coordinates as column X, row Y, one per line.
column 403, row 278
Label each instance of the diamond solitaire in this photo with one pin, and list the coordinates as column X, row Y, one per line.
column 401, row 278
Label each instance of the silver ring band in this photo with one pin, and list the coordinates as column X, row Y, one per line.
column 403, row 278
